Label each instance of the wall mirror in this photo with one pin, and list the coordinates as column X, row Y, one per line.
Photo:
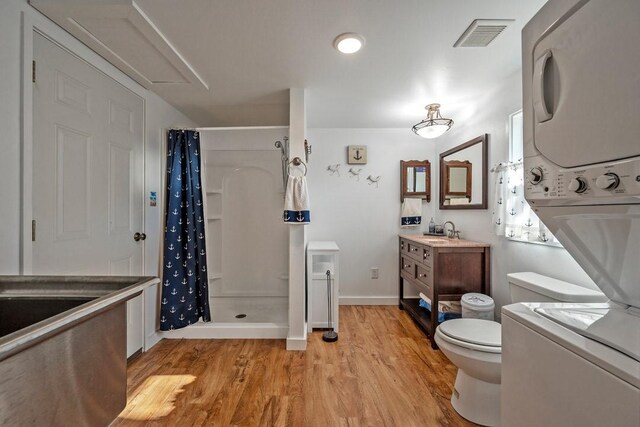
column 463, row 175
column 415, row 179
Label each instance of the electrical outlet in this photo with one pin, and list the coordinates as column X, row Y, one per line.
column 374, row 272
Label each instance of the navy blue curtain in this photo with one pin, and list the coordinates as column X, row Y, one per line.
column 185, row 295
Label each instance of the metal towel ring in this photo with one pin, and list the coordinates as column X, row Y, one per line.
column 297, row 161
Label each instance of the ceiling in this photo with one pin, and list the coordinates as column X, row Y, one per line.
column 250, row 52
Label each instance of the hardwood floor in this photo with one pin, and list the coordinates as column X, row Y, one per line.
column 381, row 372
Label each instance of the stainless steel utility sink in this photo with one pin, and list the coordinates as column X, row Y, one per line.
column 63, row 348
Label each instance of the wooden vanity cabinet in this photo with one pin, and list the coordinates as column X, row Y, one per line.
column 443, row 270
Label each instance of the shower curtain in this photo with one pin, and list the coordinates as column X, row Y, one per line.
column 185, row 296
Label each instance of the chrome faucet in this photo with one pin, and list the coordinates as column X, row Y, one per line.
column 452, row 234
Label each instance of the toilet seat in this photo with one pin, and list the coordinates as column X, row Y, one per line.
column 474, row 334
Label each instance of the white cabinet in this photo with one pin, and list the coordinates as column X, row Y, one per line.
column 135, row 325
column 141, row 320
column 322, row 257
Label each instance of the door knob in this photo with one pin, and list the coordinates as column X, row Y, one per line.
column 139, row 236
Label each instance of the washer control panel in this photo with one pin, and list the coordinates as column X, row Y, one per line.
column 545, row 181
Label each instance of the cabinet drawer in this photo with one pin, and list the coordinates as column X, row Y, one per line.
column 425, row 289
column 424, row 275
column 426, row 256
column 408, row 268
column 404, row 247
column 415, row 251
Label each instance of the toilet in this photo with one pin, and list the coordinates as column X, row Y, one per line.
column 475, row 345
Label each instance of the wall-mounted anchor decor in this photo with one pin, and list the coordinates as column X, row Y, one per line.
column 355, row 173
column 373, row 180
column 357, row 154
column 334, row 169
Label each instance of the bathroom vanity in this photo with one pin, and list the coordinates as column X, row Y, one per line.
column 443, row 269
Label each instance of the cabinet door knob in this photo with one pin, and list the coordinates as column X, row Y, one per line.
column 406, row 266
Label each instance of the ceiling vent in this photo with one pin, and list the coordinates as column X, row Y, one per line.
column 481, row 32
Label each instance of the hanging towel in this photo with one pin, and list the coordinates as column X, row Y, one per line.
column 411, row 213
column 296, row 201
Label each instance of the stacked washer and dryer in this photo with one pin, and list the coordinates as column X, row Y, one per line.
column 579, row 364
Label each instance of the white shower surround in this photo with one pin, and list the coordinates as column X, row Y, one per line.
column 247, row 243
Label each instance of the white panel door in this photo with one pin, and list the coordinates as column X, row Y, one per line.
column 87, row 168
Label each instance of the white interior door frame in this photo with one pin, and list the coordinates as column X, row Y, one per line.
column 26, row 247
column 52, row 32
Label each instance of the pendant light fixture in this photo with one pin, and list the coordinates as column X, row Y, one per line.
column 434, row 125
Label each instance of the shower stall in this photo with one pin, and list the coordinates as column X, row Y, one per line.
column 247, row 241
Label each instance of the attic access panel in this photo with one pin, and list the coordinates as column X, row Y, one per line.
column 121, row 32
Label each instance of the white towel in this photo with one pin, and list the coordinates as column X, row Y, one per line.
column 444, row 306
column 411, row 213
column 296, row 201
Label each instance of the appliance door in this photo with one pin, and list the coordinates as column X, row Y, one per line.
column 553, row 377
column 586, row 84
column 605, row 241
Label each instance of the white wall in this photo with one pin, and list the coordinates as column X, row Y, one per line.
column 492, row 117
column 158, row 116
column 297, row 336
column 362, row 219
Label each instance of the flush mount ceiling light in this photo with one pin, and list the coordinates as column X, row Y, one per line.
column 434, row 125
column 348, row 43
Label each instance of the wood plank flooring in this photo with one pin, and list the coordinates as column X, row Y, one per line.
column 381, row 372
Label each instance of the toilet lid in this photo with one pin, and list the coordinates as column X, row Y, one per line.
column 474, row 331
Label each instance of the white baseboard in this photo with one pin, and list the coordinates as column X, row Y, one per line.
column 230, row 331
column 346, row 300
column 296, row 343
column 151, row 340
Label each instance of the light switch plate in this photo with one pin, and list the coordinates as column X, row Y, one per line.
column 357, row 154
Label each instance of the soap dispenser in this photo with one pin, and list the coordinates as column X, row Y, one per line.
column 432, row 226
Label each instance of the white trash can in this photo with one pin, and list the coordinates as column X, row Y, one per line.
column 477, row 306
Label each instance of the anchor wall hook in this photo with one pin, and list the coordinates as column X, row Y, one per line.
column 355, row 173
column 334, row 169
column 373, row 180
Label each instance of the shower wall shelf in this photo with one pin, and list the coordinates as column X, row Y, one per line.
column 214, row 218
column 216, row 191
column 215, row 276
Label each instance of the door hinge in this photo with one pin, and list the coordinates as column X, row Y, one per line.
column 33, row 230
column 33, row 71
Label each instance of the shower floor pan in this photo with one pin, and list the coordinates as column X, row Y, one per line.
column 63, row 348
column 241, row 317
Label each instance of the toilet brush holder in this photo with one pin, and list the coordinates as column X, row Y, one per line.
column 330, row 335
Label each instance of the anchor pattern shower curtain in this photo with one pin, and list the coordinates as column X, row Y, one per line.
column 185, row 295
column 512, row 215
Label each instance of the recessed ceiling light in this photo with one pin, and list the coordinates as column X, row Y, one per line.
column 348, row 43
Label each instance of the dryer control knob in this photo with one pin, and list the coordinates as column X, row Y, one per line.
column 578, row 185
column 608, row 181
column 535, row 175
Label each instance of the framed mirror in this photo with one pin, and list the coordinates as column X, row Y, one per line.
column 415, row 179
column 463, row 175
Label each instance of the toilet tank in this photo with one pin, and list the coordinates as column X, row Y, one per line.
column 533, row 287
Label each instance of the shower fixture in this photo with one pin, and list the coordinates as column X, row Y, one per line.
column 284, row 158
